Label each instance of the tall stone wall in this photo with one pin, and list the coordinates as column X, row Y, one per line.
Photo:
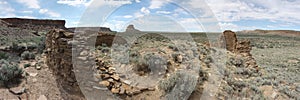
column 228, row 40
column 59, row 60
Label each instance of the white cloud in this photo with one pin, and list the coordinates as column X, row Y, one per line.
column 49, row 13
column 127, row 16
column 27, row 12
column 115, row 25
column 228, row 26
column 275, row 10
column 145, row 10
column 30, row 3
column 75, row 3
column 138, row 14
column 99, row 3
column 156, row 4
column 137, row 1
column 163, row 12
column 6, row 9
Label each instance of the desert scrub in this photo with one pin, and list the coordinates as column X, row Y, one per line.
column 27, row 65
column 151, row 63
column 3, row 55
column 179, row 85
column 9, row 73
column 26, row 55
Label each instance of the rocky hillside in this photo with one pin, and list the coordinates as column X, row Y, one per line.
column 34, row 24
column 272, row 32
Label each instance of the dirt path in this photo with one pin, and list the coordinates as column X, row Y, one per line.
column 41, row 83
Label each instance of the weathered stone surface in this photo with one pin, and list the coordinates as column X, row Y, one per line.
column 115, row 90
column 34, row 24
column 59, row 60
column 104, row 83
column 115, row 77
column 243, row 47
column 17, row 90
column 228, row 40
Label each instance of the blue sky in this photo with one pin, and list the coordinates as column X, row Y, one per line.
column 163, row 15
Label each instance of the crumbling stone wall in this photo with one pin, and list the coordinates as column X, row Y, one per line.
column 59, row 60
column 242, row 47
column 228, row 40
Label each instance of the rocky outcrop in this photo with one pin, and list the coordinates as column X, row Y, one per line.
column 96, row 29
column 35, row 24
column 59, row 60
column 131, row 28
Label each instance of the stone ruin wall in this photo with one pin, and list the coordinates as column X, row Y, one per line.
column 242, row 47
column 59, row 60
column 229, row 41
column 59, row 57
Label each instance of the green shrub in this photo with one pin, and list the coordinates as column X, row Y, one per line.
column 26, row 65
column 9, row 73
column 26, row 55
column 3, row 55
column 169, row 83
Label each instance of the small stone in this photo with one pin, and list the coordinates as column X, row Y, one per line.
column 179, row 58
column 17, row 90
column 115, row 77
column 99, row 88
column 82, row 58
column 115, row 90
column 102, row 69
column 104, row 83
column 37, row 67
column 111, row 72
column 117, row 84
column 111, row 69
column 151, row 89
column 110, row 80
column 84, row 53
column 122, row 91
column 127, row 82
column 42, row 97
column 33, row 74
column 33, row 64
column 136, row 91
column 105, row 76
